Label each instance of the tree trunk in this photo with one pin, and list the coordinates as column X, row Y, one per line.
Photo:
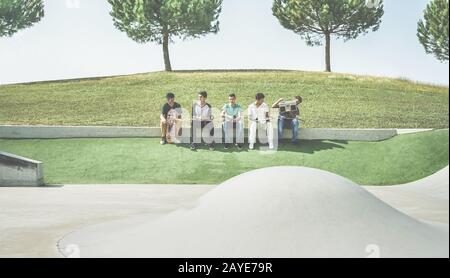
column 167, row 64
column 328, row 52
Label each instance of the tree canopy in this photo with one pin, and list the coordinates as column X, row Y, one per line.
column 317, row 20
column 16, row 15
column 161, row 21
column 432, row 31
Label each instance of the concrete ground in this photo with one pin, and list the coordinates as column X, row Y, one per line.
column 33, row 220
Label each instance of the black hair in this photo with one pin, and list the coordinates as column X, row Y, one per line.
column 203, row 94
column 170, row 96
column 232, row 95
column 260, row 96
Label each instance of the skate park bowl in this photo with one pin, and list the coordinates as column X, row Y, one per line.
column 20, row 171
column 278, row 212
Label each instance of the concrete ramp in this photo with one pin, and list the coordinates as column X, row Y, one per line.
column 274, row 212
column 20, row 171
column 426, row 199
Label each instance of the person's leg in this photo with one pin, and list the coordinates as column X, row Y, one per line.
column 280, row 128
column 240, row 133
column 295, row 124
column 269, row 130
column 178, row 124
column 195, row 125
column 252, row 134
column 208, row 133
column 228, row 131
column 163, row 131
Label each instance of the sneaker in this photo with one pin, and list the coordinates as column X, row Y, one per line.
column 271, row 146
column 163, row 142
column 251, row 146
column 211, row 147
column 239, row 146
column 227, row 146
column 176, row 141
column 193, row 147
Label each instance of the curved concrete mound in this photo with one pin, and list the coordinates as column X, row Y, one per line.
column 426, row 199
column 273, row 212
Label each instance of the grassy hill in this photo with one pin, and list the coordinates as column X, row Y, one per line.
column 330, row 100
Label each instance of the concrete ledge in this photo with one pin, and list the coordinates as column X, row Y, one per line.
column 60, row 132
column 20, row 171
column 345, row 134
column 55, row 132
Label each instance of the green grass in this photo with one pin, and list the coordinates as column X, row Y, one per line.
column 331, row 100
column 399, row 160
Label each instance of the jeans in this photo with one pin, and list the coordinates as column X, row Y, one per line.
column 228, row 132
column 295, row 126
column 202, row 130
column 266, row 127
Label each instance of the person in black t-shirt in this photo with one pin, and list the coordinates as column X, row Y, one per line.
column 170, row 118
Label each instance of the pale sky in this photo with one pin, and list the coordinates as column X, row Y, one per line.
column 77, row 39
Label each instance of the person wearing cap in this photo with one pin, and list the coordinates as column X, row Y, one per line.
column 259, row 118
column 167, row 108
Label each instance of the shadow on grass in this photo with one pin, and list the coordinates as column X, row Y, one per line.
column 303, row 146
column 47, row 186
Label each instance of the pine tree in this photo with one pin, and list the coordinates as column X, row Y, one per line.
column 317, row 20
column 432, row 31
column 16, row 15
column 162, row 20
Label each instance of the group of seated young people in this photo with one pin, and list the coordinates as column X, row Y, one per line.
column 232, row 114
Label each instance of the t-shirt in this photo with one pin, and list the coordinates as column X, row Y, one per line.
column 166, row 108
column 201, row 113
column 232, row 111
column 258, row 113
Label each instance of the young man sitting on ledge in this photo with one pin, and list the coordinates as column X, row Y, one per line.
column 170, row 120
column 289, row 113
column 259, row 118
column 202, row 123
column 232, row 119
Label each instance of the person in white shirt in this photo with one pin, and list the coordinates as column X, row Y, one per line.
column 202, row 118
column 259, row 118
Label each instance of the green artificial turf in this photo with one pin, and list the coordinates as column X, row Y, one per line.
column 330, row 99
column 399, row 160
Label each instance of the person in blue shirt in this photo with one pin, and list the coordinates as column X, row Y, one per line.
column 232, row 119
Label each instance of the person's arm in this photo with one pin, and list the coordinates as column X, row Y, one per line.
column 239, row 115
column 210, row 115
column 194, row 112
column 180, row 114
column 223, row 114
column 277, row 104
column 250, row 114
column 163, row 119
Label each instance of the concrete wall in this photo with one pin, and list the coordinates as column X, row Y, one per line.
column 20, row 171
column 54, row 132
